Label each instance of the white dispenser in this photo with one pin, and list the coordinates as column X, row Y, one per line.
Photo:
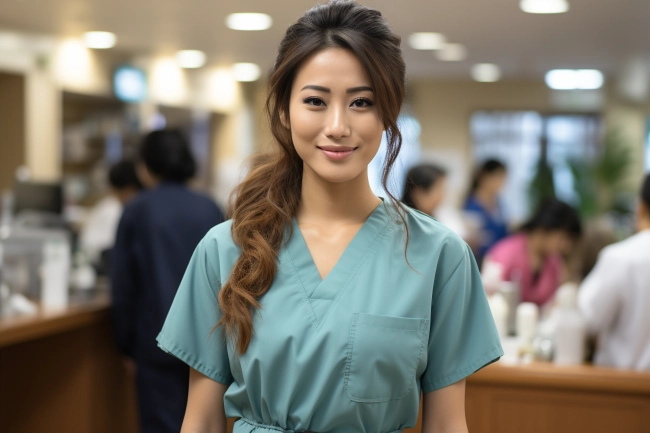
column 571, row 329
column 55, row 273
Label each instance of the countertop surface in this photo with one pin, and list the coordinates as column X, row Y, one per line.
column 548, row 375
column 79, row 313
column 96, row 308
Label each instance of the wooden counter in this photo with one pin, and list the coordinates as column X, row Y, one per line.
column 61, row 372
column 541, row 398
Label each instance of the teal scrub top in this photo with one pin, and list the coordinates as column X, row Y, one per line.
column 352, row 352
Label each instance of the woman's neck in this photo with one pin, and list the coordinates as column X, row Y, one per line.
column 534, row 245
column 322, row 201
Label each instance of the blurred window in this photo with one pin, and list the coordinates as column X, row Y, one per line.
column 520, row 138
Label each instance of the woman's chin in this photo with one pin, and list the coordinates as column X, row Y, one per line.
column 340, row 174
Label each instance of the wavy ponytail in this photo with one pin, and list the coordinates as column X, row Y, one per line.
column 267, row 200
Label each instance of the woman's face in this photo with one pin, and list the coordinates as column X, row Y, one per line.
column 334, row 122
column 495, row 182
column 557, row 242
column 428, row 200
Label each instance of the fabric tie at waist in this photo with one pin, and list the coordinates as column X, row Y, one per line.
column 243, row 425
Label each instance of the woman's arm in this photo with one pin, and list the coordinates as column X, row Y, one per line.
column 444, row 410
column 205, row 412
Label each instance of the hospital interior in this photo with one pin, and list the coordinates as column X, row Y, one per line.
column 525, row 131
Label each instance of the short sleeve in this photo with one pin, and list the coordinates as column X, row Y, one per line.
column 188, row 330
column 599, row 295
column 463, row 337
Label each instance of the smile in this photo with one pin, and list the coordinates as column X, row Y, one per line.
column 337, row 152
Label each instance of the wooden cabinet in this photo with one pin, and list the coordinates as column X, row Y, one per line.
column 541, row 398
column 61, row 373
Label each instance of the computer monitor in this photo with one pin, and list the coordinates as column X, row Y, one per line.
column 42, row 197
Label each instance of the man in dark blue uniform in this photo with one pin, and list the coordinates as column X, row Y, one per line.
column 155, row 240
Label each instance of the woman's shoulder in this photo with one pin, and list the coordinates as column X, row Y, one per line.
column 425, row 229
column 218, row 241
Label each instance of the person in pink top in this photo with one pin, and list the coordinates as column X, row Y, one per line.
column 533, row 256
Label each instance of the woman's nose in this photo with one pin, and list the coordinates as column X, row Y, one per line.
column 337, row 125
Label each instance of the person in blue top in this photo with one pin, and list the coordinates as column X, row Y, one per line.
column 155, row 239
column 321, row 307
column 483, row 207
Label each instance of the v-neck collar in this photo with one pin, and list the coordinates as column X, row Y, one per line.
column 321, row 294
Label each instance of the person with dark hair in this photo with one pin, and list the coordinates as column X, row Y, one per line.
column 98, row 232
column 614, row 299
column 124, row 181
column 424, row 188
column 534, row 256
column 157, row 234
column 165, row 157
column 482, row 207
column 303, row 313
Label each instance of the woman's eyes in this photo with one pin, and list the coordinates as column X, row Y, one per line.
column 357, row 103
column 361, row 103
column 316, row 102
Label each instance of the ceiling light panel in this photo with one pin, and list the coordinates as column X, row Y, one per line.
column 190, row 59
column 249, row 21
column 544, row 6
column 574, row 79
column 426, row 41
column 246, row 72
column 486, row 72
column 100, row 40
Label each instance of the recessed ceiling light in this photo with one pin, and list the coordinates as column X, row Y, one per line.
column 452, row 53
column 100, row 40
column 246, row 71
column 190, row 59
column 574, row 79
column 486, row 72
column 426, row 41
column 249, row 21
column 544, row 6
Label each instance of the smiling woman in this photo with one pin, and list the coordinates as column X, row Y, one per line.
column 323, row 325
column 333, row 116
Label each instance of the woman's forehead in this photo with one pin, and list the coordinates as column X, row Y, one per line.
column 336, row 69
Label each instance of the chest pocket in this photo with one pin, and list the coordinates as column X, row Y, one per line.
column 383, row 356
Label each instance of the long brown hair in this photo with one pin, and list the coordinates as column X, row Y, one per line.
column 267, row 200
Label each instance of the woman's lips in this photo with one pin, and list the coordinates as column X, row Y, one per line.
column 337, row 152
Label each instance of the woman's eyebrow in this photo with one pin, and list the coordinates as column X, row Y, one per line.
column 327, row 90
column 359, row 89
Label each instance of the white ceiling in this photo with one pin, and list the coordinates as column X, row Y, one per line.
column 594, row 33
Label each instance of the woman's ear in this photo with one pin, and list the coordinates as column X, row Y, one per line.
column 284, row 120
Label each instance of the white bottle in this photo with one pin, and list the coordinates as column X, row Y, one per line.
column 55, row 273
column 499, row 308
column 527, row 318
column 571, row 329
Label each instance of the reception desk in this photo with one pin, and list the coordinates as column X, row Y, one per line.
column 60, row 372
column 541, row 398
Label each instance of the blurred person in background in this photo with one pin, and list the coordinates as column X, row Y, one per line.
column 157, row 234
column 482, row 207
column 424, row 188
column 615, row 297
column 533, row 257
column 98, row 233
